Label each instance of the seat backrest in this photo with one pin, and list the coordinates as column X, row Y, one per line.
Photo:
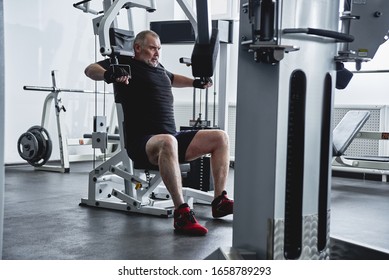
column 346, row 130
column 122, row 45
column 121, row 41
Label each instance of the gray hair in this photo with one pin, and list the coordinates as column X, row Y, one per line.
column 140, row 38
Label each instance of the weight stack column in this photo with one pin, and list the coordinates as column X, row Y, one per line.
column 283, row 131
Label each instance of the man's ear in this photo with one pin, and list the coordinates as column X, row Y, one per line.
column 137, row 47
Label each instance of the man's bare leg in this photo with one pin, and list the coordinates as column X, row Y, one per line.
column 162, row 151
column 214, row 142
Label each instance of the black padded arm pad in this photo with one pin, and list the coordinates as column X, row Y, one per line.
column 204, row 56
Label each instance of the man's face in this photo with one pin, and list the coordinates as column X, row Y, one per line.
column 149, row 51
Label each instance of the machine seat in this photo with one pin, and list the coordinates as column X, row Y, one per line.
column 184, row 167
column 146, row 166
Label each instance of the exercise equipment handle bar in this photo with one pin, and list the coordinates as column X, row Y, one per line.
column 342, row 37
column 370, row 71
column 85, row 7
column 54, row 89
column 81, row 2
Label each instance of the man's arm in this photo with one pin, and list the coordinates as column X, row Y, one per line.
column 95, row 72
column 180, row 81
column 98, row 73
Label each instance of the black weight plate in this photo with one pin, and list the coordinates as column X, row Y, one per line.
column 41, row 143
column 28, row 146
column 44, row 143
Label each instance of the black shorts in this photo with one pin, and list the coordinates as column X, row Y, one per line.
column 136, row 148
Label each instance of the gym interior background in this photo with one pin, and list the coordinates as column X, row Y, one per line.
column 41, row 36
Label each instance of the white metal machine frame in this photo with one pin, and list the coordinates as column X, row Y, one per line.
column 115, row 184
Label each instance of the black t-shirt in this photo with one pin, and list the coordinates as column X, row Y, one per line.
column 147, row 100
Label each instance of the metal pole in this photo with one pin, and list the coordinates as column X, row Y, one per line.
column 206, row 106
column 370, row 71
column 194, row 104
column 38, row 88
column 223, row 93
column 204, row 26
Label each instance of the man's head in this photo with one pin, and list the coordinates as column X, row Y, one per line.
column 147, row 47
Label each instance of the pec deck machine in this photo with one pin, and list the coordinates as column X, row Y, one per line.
column 118, row 183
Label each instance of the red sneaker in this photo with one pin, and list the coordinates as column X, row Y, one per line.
column 222, row 206
column 186, row 223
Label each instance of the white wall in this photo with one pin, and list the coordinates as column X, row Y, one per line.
column 44, row 35
column 40, row 36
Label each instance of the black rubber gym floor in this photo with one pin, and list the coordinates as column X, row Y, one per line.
column 43, row 220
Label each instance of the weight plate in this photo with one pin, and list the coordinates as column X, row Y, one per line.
column 41, row 143
column 44, row 146
column 28, row 146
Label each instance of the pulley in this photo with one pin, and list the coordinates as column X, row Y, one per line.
column 35, row 146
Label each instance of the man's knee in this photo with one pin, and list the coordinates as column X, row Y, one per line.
column 168, row 144
column 165, row 145
column 222, row 138
column 215, row 139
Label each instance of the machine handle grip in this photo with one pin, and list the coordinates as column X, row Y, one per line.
column 80, row 3
column 342, row 37
column 185, row 60
column 84, row 6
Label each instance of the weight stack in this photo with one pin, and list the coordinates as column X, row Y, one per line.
column 283, row 131
column 199, row 176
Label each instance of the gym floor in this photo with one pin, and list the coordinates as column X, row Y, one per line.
column 43, row 220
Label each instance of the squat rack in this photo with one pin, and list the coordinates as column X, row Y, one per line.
column 64, row 142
